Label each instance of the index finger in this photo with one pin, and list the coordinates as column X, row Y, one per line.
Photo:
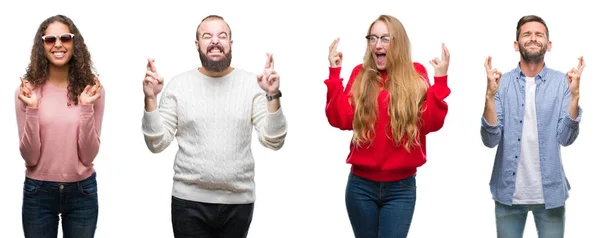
column 333, row 46
column 488, row 63
column 445, row 52
column 581, row 64
column 269, row 63
column 151, row 66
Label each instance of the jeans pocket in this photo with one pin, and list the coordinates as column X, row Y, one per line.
column 409, row 182
column 88, row 187
column 29, row 186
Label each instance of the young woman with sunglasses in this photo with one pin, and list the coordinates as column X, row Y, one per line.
column 59, row 107
column 390, row 106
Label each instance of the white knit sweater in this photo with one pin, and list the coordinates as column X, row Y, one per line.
column 212, row 119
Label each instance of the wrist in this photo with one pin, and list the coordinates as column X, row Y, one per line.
column 574, row 96
column 439, row 73
column 273, row 92
column 273, row 96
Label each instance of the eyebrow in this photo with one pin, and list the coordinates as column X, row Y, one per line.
column 534, row 32
column 223, row 32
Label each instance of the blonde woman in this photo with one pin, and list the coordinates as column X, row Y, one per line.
column 390, row 106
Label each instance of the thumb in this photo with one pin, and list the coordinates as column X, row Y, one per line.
column 259, row 77
column 86, row 89
column 432, row 62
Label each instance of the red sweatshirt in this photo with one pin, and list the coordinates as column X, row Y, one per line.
column 382, row 160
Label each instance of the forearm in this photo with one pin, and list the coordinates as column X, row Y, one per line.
column 150, row 103
column 29, row 140
column 89, row 139
column 489, row 111
column 273, row 105
column 574, row 106
column 274, row 130
column 338, row 110
column 568, row 128
column 435, row 107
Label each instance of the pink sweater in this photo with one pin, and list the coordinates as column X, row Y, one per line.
column 59, row 142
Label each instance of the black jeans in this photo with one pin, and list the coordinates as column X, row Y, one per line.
column 199, row 220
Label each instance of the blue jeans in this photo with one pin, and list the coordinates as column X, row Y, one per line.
column 510, row 220
column 380, row 209
column 207, row 220
column 76, row 202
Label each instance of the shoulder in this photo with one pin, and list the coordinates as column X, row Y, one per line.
column 555, row 73
column 185, row 74
column 357, row 69
column 419, row 67
column 177, row 81
column 243, row 74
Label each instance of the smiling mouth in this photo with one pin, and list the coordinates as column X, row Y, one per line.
column 380, row 57
column 59, row 54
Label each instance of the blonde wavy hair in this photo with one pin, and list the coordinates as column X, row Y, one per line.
column 406, row 89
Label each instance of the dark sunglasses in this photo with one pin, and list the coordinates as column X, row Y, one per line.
column 64, row 38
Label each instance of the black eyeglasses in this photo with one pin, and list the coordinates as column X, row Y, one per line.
column 64, row 38
column 373, row 39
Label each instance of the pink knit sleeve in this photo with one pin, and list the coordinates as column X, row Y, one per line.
column 90, row 126
column 29, row 132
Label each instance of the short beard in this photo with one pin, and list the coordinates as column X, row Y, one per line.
column 215, row 66
column 532, row 57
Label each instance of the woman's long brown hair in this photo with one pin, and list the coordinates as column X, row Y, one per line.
column 80, row 66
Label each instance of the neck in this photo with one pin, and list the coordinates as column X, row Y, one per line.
column 531, row 69
column 59, row 76
column 213, row 74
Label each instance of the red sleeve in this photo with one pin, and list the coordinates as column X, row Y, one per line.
column 435, row 108
column 338, row 109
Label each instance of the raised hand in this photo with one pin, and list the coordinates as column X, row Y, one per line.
column 574, row 75
column 269, row 79
column 27, row 95
column 440, row 66
column 335, row 57
column 493, row 77
column 91, row 93
column 153, row 83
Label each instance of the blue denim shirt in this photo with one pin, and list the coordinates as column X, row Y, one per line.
column 555, row 128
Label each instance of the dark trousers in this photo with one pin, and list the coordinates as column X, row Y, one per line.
column 199, row 220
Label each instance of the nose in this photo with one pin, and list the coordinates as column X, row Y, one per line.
column 379, row 44
column 214, row 41
column 58, row 43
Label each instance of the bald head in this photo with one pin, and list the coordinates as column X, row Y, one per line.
column 211, row 22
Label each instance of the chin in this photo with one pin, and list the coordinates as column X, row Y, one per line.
column 59, row 63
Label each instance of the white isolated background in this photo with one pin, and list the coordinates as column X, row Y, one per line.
column 300, row 189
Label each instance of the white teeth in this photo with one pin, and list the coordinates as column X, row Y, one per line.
column 59, row 54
